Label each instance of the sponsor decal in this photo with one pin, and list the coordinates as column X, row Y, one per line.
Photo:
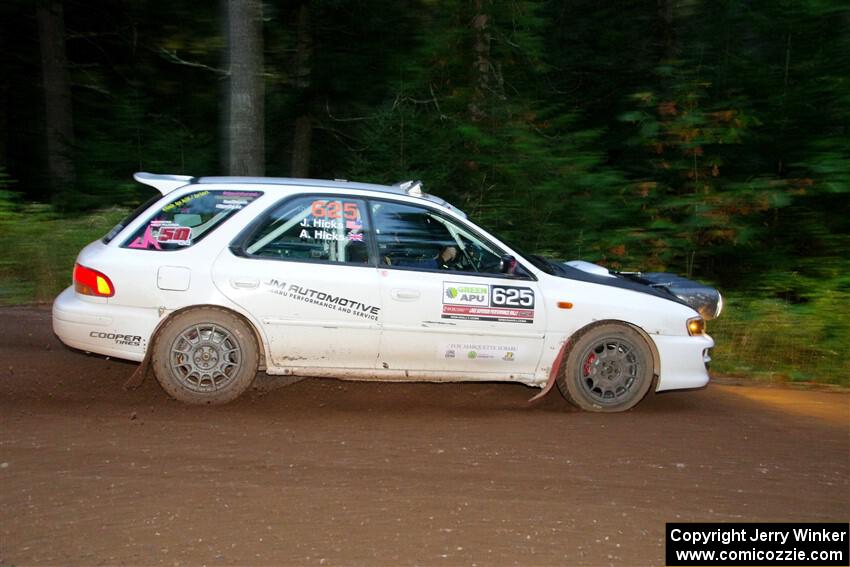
column 465, row 294
column 172, row 233
column 488, row 314
column 338, row 303
column 241, row 194
column 234, row 200
column 502, row 303
column 184, row 200
column 162, row 231
column 118, row 338
column 146, row 241
column 479, row 351
column 231, row 204
column 276, row 287
column 167, row 231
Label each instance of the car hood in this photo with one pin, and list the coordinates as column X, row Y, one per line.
column 705, row 300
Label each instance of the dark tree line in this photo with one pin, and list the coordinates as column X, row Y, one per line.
column 708, row 138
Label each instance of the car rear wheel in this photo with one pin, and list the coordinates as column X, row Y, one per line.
column 205, row 356
column 609, row 368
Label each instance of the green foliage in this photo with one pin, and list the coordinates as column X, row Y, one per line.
column 686, row 200
column 7, row 196
column 39, row 247
column 778, row 340
column 488, row 139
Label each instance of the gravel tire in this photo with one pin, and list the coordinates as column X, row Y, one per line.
column 205, row 356
column 608, row 369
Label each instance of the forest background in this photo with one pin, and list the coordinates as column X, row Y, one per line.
column 707, row 138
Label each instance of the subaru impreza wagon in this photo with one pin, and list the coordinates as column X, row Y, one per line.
column 217, row 278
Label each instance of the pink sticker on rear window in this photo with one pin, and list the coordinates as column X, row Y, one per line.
column 146, row 241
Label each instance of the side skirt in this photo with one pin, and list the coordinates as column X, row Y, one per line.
column 380, row 375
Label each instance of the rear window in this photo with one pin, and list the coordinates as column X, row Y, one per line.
column 187, row 219
column 130, row 218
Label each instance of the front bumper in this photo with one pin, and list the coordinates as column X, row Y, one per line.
column 683, row 361
column 111, row 330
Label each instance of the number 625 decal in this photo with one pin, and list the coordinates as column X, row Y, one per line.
column 511, row 296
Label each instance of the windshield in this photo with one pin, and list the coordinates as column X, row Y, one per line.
column 538, row 262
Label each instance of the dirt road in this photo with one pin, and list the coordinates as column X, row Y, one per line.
column 325, row 473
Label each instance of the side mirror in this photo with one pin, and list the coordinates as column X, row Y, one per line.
column 507, row 264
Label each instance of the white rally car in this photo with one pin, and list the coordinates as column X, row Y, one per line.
column 216, row 278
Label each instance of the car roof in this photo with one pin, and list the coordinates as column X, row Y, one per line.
column 302, row 182
column 166, row 183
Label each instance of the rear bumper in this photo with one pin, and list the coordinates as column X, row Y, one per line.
column 111, row 330
column 683, row 361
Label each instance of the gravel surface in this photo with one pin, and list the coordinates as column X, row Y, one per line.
column 324, row 472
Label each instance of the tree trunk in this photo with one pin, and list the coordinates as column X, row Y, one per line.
column 57, row 97
column 481, row 66
column 245, row 118
column 303, row 122
column 666, row 31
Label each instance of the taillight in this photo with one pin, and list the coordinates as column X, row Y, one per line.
column 92, row 282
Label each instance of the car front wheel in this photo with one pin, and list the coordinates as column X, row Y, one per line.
column 609, row 368
column 205, row 356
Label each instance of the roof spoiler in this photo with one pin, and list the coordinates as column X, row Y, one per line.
column 164, row 183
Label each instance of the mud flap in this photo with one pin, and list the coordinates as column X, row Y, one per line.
column 543, row 392
column 553, row 374
column 136, row 378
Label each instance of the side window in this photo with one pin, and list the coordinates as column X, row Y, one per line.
column 416, row 237
column 188, row 219
column 323, row 228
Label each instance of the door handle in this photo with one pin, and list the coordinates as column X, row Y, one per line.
column 405, row 294
column 245, row 283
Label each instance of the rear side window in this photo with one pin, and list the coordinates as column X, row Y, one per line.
column 188, row 219
column 130, row 218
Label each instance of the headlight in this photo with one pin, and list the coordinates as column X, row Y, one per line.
column 696, row 326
